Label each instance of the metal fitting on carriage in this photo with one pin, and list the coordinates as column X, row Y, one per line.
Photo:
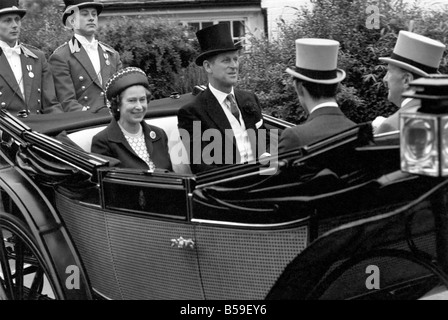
column 182, row 243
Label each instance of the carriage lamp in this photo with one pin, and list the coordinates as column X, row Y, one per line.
column 424, row 133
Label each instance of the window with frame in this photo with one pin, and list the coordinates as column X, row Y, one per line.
column 237, row 28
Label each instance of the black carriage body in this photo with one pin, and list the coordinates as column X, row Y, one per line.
column 240, row 232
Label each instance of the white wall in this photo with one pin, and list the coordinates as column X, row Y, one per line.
column 278, row 10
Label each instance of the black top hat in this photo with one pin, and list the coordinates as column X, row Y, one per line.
column 214, row 40
column 70, row 5
column 11, row 6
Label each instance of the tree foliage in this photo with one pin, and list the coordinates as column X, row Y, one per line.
column 363, row 95
column 163, row 50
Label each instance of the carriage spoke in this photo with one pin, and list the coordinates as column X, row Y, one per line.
column 37, row 285
column 6, row 275
column 18, row 275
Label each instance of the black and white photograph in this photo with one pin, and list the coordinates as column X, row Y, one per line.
column 225, row 158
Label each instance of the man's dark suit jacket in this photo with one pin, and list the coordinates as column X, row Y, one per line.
column 76, row 82
column 208, row 112
column 112, row 142
column 322, row 123
column 40, row 96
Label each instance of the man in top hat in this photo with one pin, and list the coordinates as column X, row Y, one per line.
column 26, row 82
column 316, row 80
column 82, row 66
column 222, row 125
column 414, row 56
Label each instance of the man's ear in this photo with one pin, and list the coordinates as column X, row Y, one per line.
column 408, row 78
column 299, row 88
column 207, row 66
column 70, row 22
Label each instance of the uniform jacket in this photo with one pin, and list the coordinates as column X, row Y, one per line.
column 392, row 123
column 76, row 82
column 112, row 142
column 207, row 110
column 40, row 96
column 322, row 123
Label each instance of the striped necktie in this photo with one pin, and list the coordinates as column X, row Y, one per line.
column 233, row 107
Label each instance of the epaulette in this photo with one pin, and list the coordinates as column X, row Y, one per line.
column 26, row 50
column 106, row 47
column 30, row 46
column 55, row 50
column 198, row 89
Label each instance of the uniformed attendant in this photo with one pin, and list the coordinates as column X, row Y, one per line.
column 82, row 66
column 26, row 82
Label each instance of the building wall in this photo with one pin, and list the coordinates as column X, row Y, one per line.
column 252, row 16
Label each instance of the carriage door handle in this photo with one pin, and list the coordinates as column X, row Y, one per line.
column 182, row 243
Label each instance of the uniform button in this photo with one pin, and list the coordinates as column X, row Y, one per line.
column 38, row 101
column 86, row 98
column 38, row 111
column 3, row 104
column 81, row 78
column 38, row 90
column 83, row 88
column 87, row 107
column 1, row 93
column 102, row 93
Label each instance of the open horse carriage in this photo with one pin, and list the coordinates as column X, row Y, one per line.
column 308, row 224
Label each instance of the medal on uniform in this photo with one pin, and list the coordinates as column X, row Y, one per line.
column 152, row 134
column 30, row 70
column 106, row 56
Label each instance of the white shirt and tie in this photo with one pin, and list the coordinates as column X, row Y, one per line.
column 238, row 125
column 13, row 57
column 92, row 51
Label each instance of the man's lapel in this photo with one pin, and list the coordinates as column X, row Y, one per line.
column 215, row 112
column 7, row 74
column 28, row 71
column 105, row 67
column 249, row 113
column 246, row 105
column 81, row 55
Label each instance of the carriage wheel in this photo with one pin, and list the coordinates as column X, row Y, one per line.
column 23, row 271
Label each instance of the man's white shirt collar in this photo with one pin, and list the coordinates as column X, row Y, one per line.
column 331, row 104
column 220, row 96
column 84, row 40
column 405, row 102
column 3, row 44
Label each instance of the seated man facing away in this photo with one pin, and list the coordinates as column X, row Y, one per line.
column 316, row 81
column 128, row 137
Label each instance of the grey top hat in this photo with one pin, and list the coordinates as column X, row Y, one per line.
column 214, row 40
column 416, row 53
column 11, row 6
column 316, row 61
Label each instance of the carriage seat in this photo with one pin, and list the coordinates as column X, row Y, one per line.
column 177, row 150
